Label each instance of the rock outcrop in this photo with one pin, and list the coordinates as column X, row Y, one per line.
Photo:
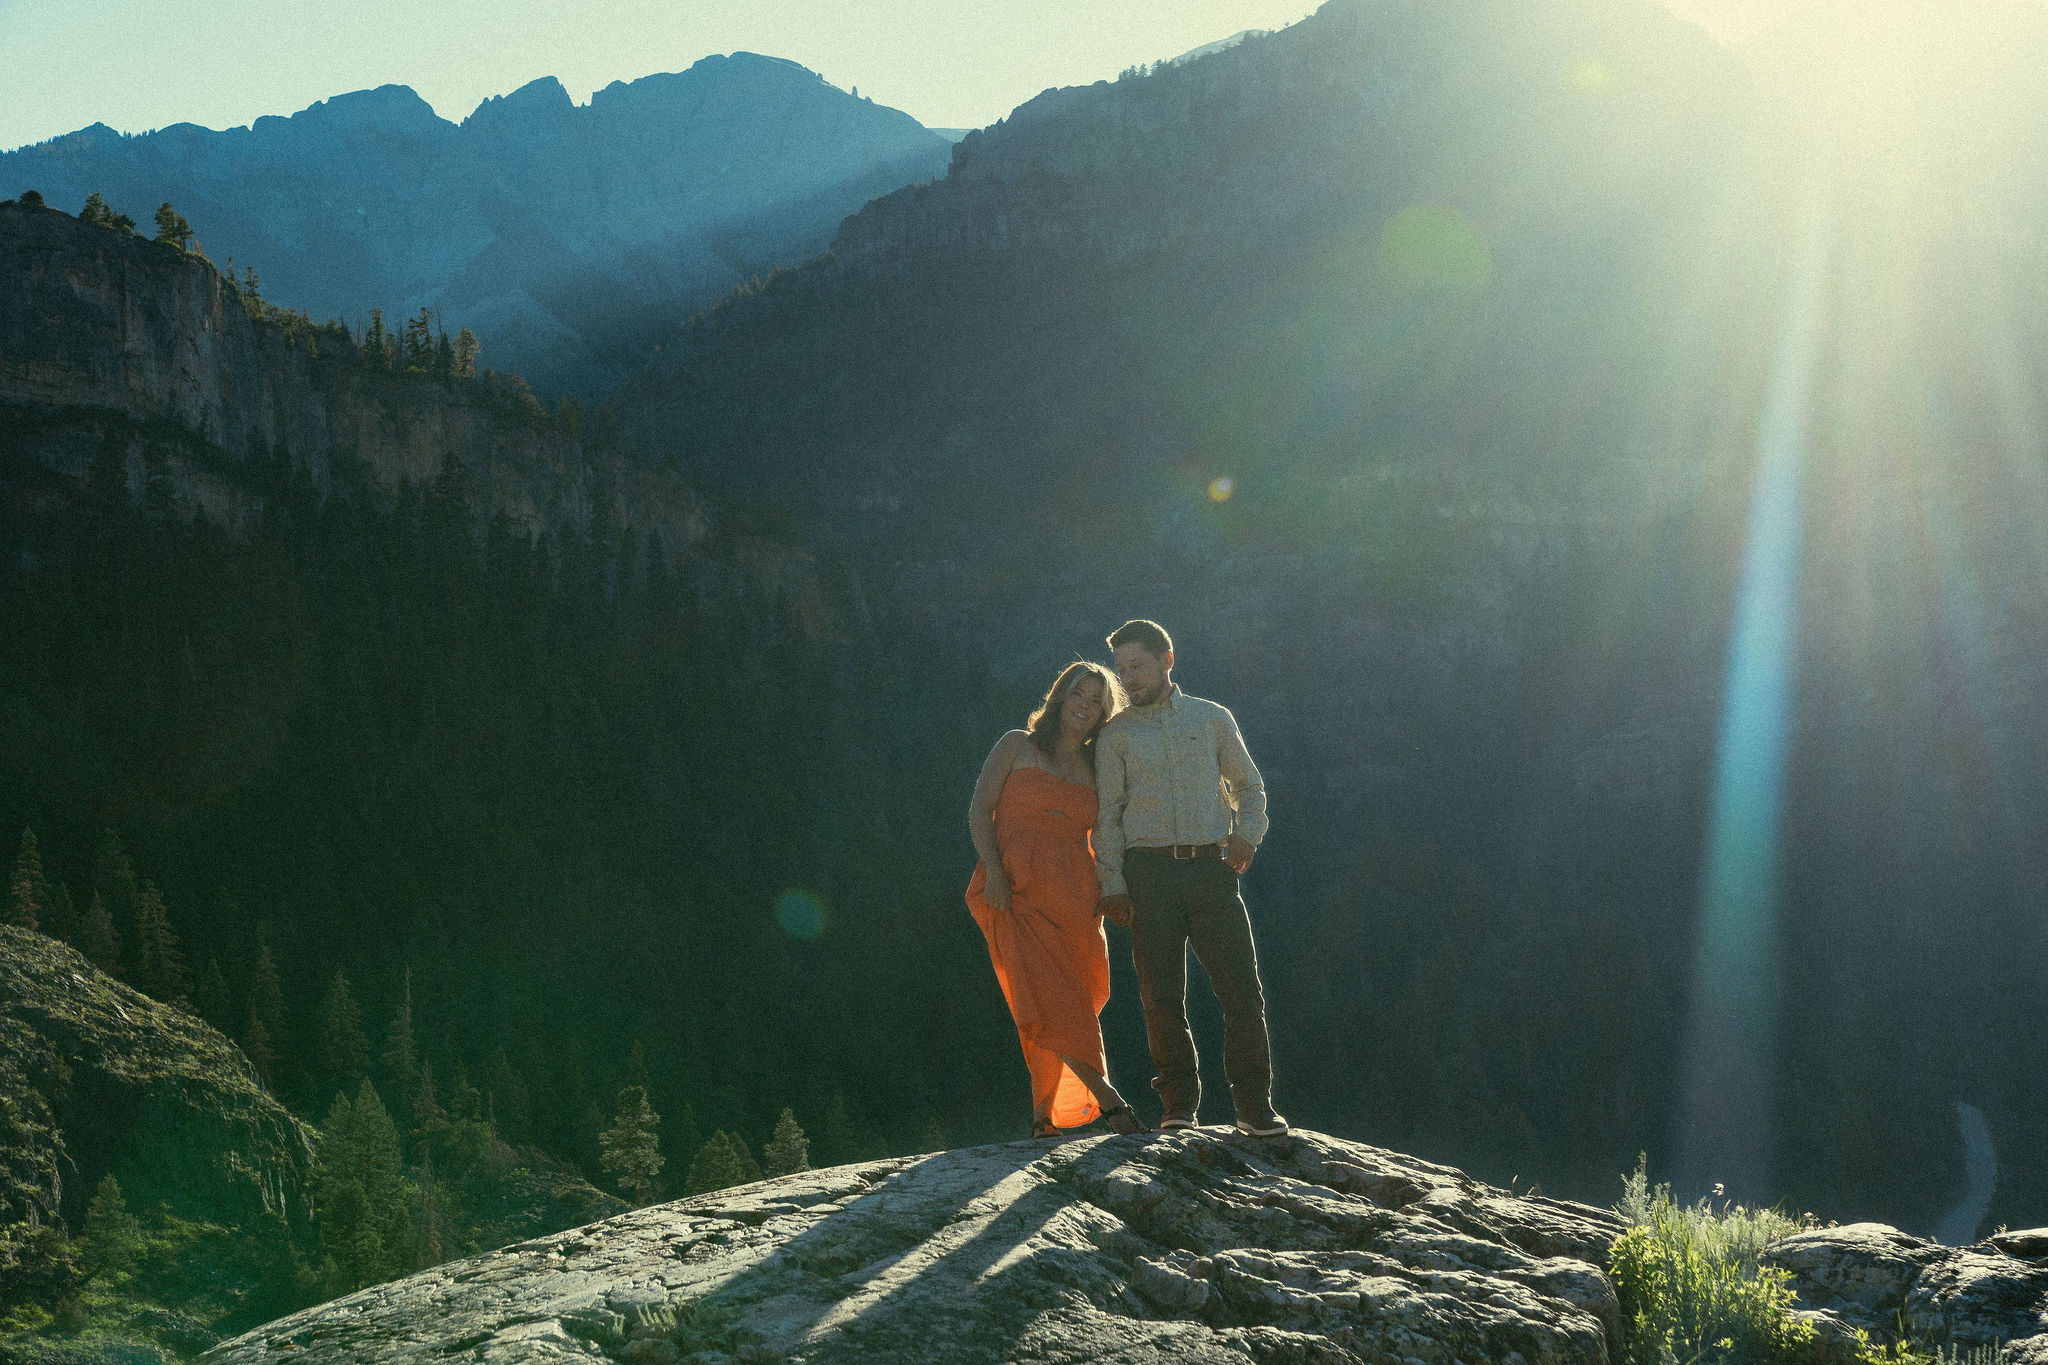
column 1872, row 1278
column 1196, row 1246
column 97, row 1078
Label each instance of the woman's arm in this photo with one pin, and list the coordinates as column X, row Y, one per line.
column 981, row 816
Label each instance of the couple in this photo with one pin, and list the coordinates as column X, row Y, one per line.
column 1144, row 777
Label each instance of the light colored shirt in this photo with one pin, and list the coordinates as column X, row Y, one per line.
column 1174, row 772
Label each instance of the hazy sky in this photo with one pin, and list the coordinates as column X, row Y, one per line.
column 141, row 64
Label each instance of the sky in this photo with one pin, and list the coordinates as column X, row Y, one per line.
column 142, row 64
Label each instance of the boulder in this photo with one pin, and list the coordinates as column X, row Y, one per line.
column 1201, row 1246
column 1876, row 1279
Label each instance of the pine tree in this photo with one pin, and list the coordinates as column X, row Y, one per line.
column 159, row 965
column 789, row 1150
column 63, row 915
column 429, row 1121
column 465, row 1101
column 467, row 348
column 172, row 228
column 718, row 1166
column 400, row 1057
column 98, row 939
column 444, row 358
column 265, row 1042
column 364, row 1213
column 28, row 898
column 507, row 1097
column 256, row 1046
column 96, row 211
column 110, row 1232
column 344, row 1051
column 113, row 882
column 632, row 1147
column 210, row 997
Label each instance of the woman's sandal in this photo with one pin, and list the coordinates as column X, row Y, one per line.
column 1124, row 1119
column 1044, row 1128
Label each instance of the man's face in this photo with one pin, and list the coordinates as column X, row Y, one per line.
column 1143, row 673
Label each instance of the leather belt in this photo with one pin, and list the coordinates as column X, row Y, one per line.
column 1180, row 852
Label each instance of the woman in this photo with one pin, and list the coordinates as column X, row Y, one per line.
column 1034, row 896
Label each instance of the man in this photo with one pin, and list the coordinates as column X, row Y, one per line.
column 1182, row 813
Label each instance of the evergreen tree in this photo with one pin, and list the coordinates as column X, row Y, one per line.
column 376, row 342
column 506, row 1094
column 467, row 348
column 98, row 939
column 789, row 1150
column 631, row 1146
column 718, row 1165
column 344, row 1051
column 31, row 199
column 96, row 211
column 28, row 899
column 444, row 358
column 429, row 1121
column 113, row 881
column 465, row 1101
column 256, row 1046
column 265, row 1042
column 172, row 228
column 63, row 916
column 159, row 965
column 400, row 1058
column 363, row 1208
column 418, row 353
column 685, row 1139
column 210, row 997
column 110, row 1233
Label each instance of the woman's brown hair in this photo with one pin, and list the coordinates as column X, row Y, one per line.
column 1044, row 724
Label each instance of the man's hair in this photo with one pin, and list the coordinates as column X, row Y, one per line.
column 1150, row 634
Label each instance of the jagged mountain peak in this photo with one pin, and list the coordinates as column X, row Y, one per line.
column 387, row 108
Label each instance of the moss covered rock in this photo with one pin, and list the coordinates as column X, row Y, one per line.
column 97, row 1078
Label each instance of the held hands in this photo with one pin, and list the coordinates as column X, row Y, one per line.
column 1116, row 909
column 996, row 889
column 1238, row 854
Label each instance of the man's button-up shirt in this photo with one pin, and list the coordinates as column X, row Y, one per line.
column 1174, row 772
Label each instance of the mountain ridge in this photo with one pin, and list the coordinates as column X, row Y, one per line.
column 558, row 232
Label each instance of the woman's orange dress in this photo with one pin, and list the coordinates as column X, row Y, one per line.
column 1049, row 950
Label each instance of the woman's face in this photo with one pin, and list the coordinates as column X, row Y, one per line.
column 1081, row 709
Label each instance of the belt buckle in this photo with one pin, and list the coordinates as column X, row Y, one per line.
column 1183, row 857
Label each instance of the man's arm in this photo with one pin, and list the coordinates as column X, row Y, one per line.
column 1242, row 785
column 1111, row 795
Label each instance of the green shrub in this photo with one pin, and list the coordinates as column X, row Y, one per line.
column 1693, row 1288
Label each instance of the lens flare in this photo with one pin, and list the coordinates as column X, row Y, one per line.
column 1732, row 1045
column 1221, row 487
column 800, row 914
column 1428, row 246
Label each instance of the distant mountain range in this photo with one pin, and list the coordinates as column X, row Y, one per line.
column 556, row 232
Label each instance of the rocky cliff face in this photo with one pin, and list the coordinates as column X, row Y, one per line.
column 553, row 230
column 112, row 343
column 1202, row 1246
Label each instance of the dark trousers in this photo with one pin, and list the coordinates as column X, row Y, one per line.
column 1194, row 902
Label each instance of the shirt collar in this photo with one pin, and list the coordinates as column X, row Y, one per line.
column 1165, row 703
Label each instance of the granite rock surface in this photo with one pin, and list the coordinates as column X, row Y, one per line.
column 1198, row 1246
